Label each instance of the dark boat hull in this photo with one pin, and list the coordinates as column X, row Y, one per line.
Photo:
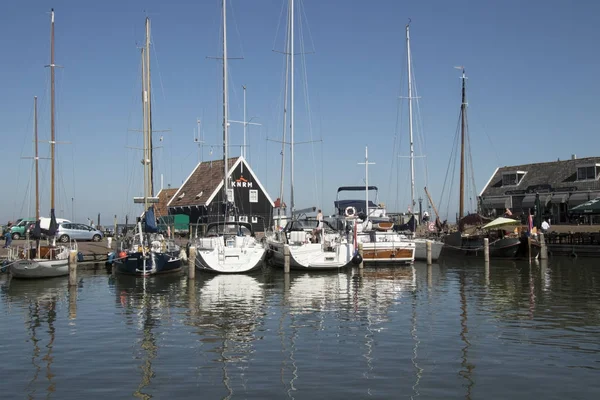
column 149, row 264
column 507, row 248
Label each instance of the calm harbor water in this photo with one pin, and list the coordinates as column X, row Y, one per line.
column 453, row 330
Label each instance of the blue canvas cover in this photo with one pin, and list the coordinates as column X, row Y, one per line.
column 150, row 220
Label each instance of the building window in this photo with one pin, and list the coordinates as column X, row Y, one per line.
column 232, row 218
column 243, row 218
column 254, row 196
column 512, row 178
column 254, row 220
column 586, row 173
column 230, row 195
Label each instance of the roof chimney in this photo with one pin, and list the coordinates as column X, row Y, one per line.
column 573, row 157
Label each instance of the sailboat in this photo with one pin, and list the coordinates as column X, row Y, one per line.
column 229, row 246
column 420, row 242
column 147, row 252
column 471, row 241
column 334, row 250
column 381, row 244
column 49, row 260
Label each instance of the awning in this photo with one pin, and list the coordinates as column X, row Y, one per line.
column 501, row 222
column 529, row 200
column 588, row 207
column 579, row 198
column 497, row 202
column 559, row 198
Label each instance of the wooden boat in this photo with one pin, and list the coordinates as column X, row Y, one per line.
column 470, row 242
column 43, row 261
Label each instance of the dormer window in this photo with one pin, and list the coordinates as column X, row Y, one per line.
column 588, row 172
column 512, row 178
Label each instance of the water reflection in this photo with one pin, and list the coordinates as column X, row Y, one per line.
column 227, row 316
column 146, row 304
column 467, row 367
column 38, row 299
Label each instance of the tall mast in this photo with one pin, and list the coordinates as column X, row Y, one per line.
column 245, row 123
column 149, row 113
column 52, row 111
column 410, row 124
column 144, row 121
column 225, row 136
column 292, row 204
column 37, row 173
column 463, row 117
column 285, row 102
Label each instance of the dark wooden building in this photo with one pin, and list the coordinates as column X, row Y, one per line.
column 560, row 185
column 201, row 195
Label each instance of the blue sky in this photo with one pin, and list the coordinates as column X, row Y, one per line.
column 532, row 92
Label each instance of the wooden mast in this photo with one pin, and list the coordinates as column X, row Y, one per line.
column 52, row 111
column 463, row 118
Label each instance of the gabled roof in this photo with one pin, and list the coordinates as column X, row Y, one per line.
column 557, row 174
column 205, row 182
column 164, row 196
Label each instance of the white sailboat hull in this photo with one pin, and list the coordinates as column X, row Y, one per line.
column 245, row 255
column 33, row 269
column 312, row 256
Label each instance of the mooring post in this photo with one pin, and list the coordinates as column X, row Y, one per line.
column 109, row 242
column 486, row 250
column 286, row 258
column 361, row 253
column 543, row 248
column 428, row 246
column 72, row 302
column 73, row 268
column 192, row 263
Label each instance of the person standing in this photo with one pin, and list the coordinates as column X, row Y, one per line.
column 7, row 235
column 545, row 226
column 319, row 230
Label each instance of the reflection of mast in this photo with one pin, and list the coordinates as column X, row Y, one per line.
column 292, row 347
column 35, row 322
column 413, row 333
column 464, row 331
column 148, row 345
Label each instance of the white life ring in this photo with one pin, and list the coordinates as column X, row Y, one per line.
column 350, row 211
column 431, row 227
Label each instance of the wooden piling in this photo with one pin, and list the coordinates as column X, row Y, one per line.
column 73, row 268
column 286, row 258
column 486, row 250
column 72, row 302
column 543, row 249
column 362, row 256
column 192, row 263
column 428, row 246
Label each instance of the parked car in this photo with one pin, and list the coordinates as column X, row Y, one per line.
column 18, row 230
column 72, row 231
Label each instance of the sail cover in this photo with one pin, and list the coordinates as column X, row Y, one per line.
column 53, row 225
column 150, row 220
